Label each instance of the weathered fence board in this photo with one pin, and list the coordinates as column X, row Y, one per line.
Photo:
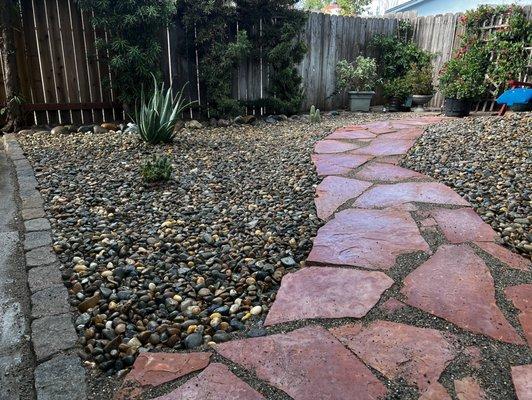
column 63, row 75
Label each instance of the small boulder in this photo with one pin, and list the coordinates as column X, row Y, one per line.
column 85, row 128
column 193, row 124
column 245, row 119
column 270, row 119
column 110, row 126
column 61, row 130
column 223, row 123
column 99, row 129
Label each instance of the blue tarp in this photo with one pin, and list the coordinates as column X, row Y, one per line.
column 515, row 97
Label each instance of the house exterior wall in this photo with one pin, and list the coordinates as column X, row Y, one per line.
column 433, row 7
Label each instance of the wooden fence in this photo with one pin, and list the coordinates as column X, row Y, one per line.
column 63, row 75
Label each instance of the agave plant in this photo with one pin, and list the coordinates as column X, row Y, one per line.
column 157, row 117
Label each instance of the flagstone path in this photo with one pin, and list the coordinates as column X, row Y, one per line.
column 406, row 294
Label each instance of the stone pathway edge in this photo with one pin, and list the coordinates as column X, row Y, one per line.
column 59, row 373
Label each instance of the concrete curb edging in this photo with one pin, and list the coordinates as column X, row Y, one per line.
column 59, row 373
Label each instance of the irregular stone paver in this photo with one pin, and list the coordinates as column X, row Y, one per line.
column 367, row 238
column 506, row 256
column 407, row 133
column 216, row 382
column 376, row 171
column 386, row 147
column 333, row 146
column 351, row 134
column 320, row 292
column 522, row 379
column 154, row 369
column 468, row 389
column 380, row 127
column 423, row 192
column 418, row 355
column 307, row 364
column 392, row 305
column 389, row 159
column 521, row 296
column 436, row 391
column 463, row 225
column 456, row 285
column 334, row 191
column 338, row 164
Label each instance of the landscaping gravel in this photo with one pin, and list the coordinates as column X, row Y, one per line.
column 488, row 161
column 188, row 262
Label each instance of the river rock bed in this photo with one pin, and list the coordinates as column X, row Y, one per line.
column 488, row 161
column 189, row 262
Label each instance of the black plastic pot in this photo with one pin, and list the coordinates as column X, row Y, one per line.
column 456, row 107
column 395, row 104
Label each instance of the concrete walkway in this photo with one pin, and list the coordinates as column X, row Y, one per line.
column 406, row 295
column 16, row 359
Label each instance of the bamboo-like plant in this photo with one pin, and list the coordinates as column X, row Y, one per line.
column 157, row 117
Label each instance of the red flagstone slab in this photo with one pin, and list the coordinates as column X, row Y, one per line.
column 398, row 193
column 307, row 364
column 352, row 134
column 154, row 369
column 408, row 133
column 455, row 284
column 521, row 296
column 386, row 147
column 334, row 146
column 380, row 127
column 468, row 389
column 338, row 164
column 436, row 391
column 522, row 379
column 367, row 238
column 392, row 305
column 216, row 382
column 320, row 292
column 386, row 172
column 463, row 225
column 506, row 256
column 418, row 355
column 334, row 191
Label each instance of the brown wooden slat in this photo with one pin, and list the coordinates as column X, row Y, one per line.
column 58, row 65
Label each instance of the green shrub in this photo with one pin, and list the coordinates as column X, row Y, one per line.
column 463, row 77
column 157, row 117
column 419, row 79
column 397, row 88
column 134, row 40
column 157, row 169
column 358, row 76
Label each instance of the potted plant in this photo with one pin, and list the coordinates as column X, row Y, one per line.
column 462, row 80
column 359, row 80
column 419, row 79
column 397, row 90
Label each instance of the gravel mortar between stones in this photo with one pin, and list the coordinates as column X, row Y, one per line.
column 488, row 161
column 58, row 374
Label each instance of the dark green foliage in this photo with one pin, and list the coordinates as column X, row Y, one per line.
column 134, row 41
column 157, row 169
column 396, row 54
column 219, row 50
column 279, row 43
column 463, row 77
